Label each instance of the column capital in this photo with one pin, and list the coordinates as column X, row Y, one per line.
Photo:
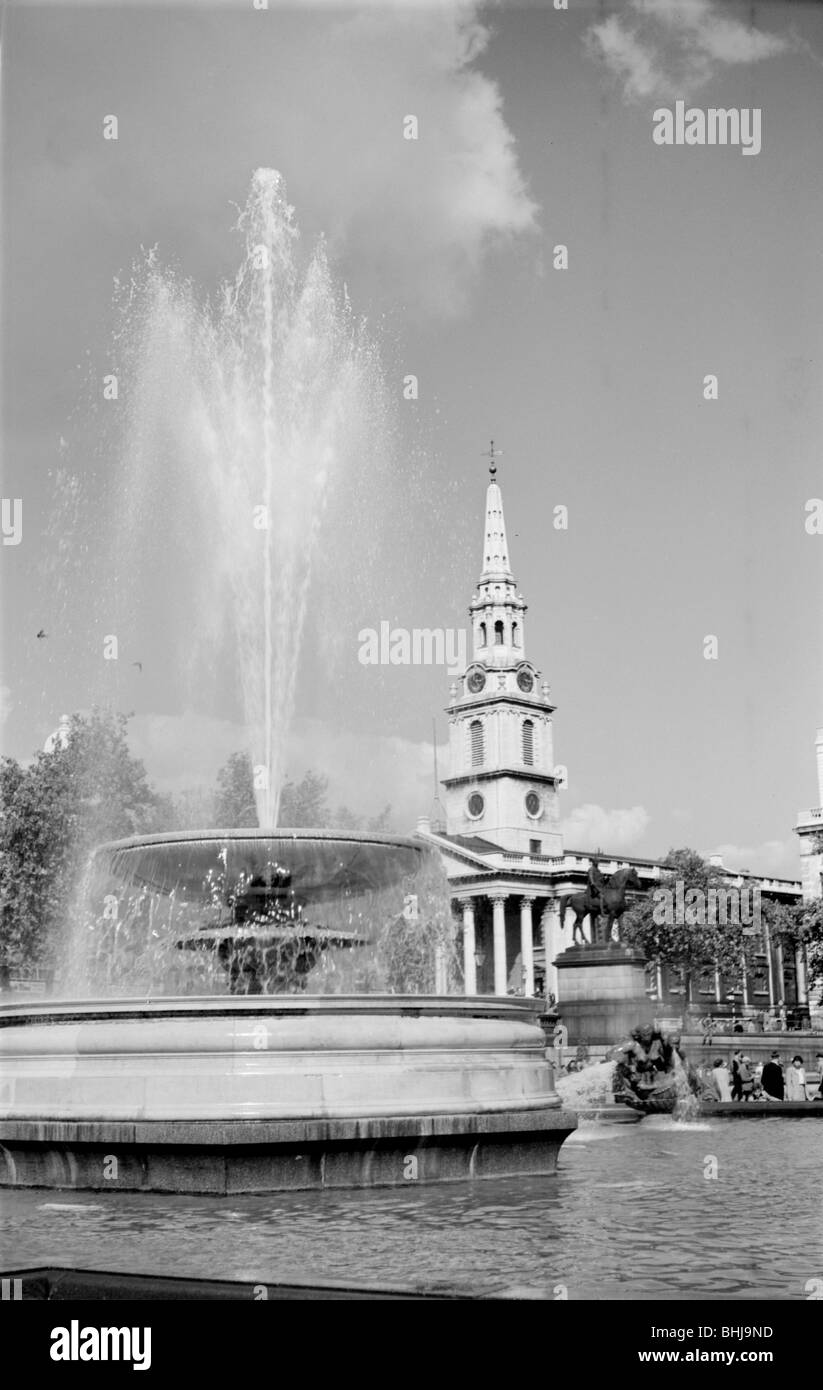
column 498, row 899
column 528, row 899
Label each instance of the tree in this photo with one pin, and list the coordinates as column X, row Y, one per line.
column 691, row 943
column 811, row 923
column 52, row 814
column 344, row 819
column 234, row 805
column 303, row 804
column 799, row 924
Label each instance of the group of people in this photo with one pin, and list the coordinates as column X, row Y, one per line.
column 743, row 1081
column 776, row 1020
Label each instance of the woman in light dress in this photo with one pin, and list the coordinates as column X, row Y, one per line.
column 796, row 1080
column 721, row 1080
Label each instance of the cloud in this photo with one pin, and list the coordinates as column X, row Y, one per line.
column 777, row 858
column 365, row 772
column 633, row 63
column 423, row 213
column 592, row 827
column 672, row 47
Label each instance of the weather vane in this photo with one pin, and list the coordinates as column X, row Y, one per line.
column 494, row 455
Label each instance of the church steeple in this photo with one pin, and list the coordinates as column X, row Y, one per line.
column 495, row 546
column 497, row 609
column 501, row 780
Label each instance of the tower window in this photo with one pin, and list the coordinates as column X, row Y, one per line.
column 498, row 633
column 476, row 735
column 528, row 742
column 482, row 631
column 515, row 638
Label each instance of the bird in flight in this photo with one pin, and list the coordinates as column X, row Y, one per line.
column 42, row 633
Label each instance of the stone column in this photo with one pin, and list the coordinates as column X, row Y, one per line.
column 501, row 978
column 527, row 946
column 550, row 930
column 469, row 949
column 800, row 967
column 767, row 941
column 744, row 982
column 441, row 969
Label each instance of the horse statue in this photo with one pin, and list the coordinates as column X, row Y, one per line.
column 613, row 899
column 603, row 899
column 585, row 904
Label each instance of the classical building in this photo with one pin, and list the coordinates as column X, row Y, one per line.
column 501, row 842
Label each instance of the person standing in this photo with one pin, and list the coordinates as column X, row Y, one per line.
column 737, row 1080
column 721, row 1081
column 819, row 1095
column 772, row 1079
column 796, row 1080
column 560, row 1038
column 746, row 1074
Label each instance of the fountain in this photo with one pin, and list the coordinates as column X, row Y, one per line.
column 259, row 1009
column 653, row 1076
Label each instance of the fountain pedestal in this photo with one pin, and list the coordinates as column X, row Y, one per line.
column 601, row 992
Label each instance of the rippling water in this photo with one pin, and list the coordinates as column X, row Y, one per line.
column 629, row 1214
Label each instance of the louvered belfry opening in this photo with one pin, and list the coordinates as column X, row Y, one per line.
column 528, row 742
column 476, row 735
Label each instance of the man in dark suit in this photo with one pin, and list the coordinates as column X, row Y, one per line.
column 772, row 1078
column 737, row 1080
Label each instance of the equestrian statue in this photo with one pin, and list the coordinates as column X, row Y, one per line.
column 603, row 901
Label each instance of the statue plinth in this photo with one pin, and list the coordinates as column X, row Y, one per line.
column 602, row 992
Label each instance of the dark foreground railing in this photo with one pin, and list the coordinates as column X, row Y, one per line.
column 55, row 1284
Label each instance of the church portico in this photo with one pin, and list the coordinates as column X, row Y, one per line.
column 502, row 939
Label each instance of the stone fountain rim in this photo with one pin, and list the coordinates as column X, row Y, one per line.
column 60, row 1011
column 174, row 837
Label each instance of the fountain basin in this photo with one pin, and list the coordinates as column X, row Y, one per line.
column 227, row 1094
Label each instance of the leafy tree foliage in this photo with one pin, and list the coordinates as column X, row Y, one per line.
column 303, row 804
column 690, row 943
column 52, row 813
column 234, row 806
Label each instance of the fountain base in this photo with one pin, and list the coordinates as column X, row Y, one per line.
column 288, row 1155
column 266, row 1094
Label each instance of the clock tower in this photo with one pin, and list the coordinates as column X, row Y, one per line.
column 501, row 784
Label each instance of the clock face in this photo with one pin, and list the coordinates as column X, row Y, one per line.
column 476, row 805
column 533, row 803
column 525, row 680
column 476, row 681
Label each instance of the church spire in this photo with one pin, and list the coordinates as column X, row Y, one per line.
column 495, row 546
column 497, row 609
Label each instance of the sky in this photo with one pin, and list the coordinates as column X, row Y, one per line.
column 687, row 516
